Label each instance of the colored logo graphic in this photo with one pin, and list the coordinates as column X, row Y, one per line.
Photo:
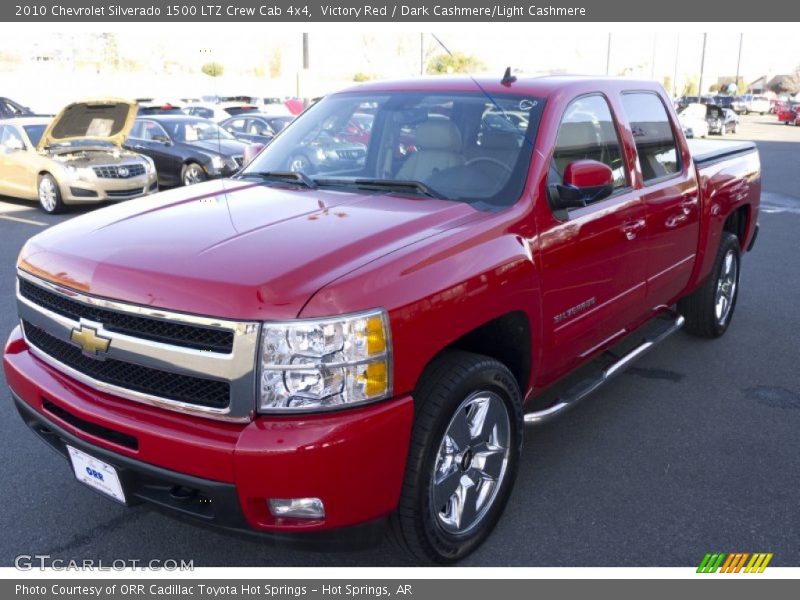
column 734, row 563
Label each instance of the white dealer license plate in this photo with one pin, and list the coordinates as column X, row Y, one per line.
column 95, row 473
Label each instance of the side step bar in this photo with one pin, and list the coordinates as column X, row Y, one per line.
column 586, row 387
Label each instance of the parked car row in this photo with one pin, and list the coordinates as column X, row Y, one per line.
column 113, row 149
column 744, row 104
column 699, row 120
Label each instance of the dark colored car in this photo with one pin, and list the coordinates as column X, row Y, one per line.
column 256, row 128
column 327, row 148
column 185, row 149
column 10, row 109
column 721, row 120
column 724, row 101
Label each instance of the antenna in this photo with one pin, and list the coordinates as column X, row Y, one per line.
column 508, row 78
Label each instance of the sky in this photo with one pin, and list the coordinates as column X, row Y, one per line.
column 337, row 52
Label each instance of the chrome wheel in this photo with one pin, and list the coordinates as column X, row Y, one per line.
column 726, row 287
column 471, row 463
column 48, row 194
column 193, row 174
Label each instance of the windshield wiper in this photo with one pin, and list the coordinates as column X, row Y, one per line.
column 391, row 185
column 297, row 177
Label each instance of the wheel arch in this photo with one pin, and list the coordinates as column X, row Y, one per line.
column 506, row 338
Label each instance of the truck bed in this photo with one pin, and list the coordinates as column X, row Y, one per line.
column 710, row 151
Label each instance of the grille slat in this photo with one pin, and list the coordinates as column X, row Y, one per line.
column 168, row 332
column 124, row 193
column 119, row 171
column 145, row 380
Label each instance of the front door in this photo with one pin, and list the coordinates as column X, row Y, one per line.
column 591, row 258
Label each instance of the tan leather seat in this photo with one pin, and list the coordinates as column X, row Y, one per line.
column 438, row 148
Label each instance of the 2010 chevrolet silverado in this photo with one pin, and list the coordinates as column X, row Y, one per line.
column 314, row 356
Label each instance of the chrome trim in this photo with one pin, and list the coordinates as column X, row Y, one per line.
column 585, row 388
column 238, row 367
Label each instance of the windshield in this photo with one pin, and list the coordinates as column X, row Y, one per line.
column 195, row 130
column 462, row 146
column 34, row 133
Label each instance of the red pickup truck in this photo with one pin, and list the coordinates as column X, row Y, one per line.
column 319, row 356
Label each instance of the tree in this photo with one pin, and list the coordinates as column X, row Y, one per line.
column 714, row 87
column 457, row 62
column 275, row 63
column 667, row 83
column 213, row 69
column 360, row 77
column 690, row 87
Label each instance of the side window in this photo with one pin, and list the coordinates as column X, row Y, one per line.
column 153, row 131
column 137, row 131
column 237, row 125
column 9, row 138
column 653, row 135
column 587, row 131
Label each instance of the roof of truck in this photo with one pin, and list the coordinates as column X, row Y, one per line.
column 542, row 86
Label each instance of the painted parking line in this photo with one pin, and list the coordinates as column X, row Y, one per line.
column 22, row 220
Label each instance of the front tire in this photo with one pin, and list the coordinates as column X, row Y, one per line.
column 192, row 173
column 463, row 457
column 49, row 194
column 709, row 309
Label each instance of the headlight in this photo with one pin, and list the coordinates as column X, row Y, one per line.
column 231, row 163
column 217, row 162
column 325, row 363
column 149, row 165
column 84, row 173
column 320, row 154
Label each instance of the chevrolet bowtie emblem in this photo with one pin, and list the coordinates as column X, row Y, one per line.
column 89, row 341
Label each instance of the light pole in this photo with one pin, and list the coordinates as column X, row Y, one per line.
column 608, row 55
column 675, row 73
column 739, row 61
column 702, row 68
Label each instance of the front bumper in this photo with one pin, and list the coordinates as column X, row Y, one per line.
column 112, row 190
column 353, row 460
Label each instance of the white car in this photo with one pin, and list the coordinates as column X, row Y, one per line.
column 693, row 121
column 218, row 112
column 756, row 104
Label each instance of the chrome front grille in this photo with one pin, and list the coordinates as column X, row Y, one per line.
column 188, row 363
column 119, row 171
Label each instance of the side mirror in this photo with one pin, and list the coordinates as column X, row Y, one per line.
column 162, row 139
column 584, row 181
column 251, row 152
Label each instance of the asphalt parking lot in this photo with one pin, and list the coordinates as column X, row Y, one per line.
column 693, row 450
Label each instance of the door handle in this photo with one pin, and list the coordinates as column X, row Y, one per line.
column 632, row 228
column 687, row 205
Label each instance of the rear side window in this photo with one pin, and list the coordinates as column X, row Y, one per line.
column 653, row 135
column 587, row 131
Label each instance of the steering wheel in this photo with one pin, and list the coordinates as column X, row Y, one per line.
column 494, row 161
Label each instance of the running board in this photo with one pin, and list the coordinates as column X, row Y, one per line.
column 586, row 387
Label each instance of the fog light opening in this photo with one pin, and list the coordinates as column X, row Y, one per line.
column 296, row 508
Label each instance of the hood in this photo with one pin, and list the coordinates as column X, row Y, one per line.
column 102, row 120
column 231, row 248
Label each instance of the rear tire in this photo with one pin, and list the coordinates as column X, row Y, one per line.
column 709, row 309
column 49, row 194
column 462, row 459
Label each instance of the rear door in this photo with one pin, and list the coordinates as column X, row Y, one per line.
column 671, row 196
column 591, row 257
